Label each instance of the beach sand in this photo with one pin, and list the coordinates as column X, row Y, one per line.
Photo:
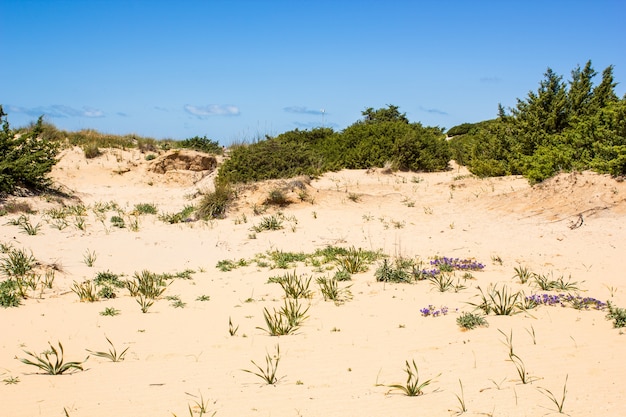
column 344, row 357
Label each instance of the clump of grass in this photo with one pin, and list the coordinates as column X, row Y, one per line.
column 110, row 311
column 388, row 272
column 145, row 208
column 469, row 321
column 413, row 387
column 331, row 290
column 52, row 362
column 501, row 301
column 545, row 283
column 86, row 291
column 111, row 354
column 354, row 197
column 9, row 293
column 295, row 286
column 215, row 204
column 23, row 222
column 356, row 260
column 277, row 197
column 285, row 321
column 89, row 258
column 182, row 216
column 523, row 274
column 272, row 222
column 267, row 374
column 17, row 263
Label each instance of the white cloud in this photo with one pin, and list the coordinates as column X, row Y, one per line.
column 303, row 110
column 58, row 111
column 212, row 110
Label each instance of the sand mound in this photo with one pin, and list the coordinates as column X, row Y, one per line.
column 183, row 160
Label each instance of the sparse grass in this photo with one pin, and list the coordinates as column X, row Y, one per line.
column 558, row 403
column 201, row 408
column 86, row 291
column 413, row 387
column 354, row 197
column 89, row 258
column 277, row 197
column 268, row 375
column 545, row 283
column 51, row 362
column 523, row 274
column 111, row 354
column 110, row 311
column 144, row 303
column 182, row 216
column 295, row 286
column 520, row 367
column 145, row 208
column 501, row 301
column 203, row 297
column 330, row 290
column 461, row 400
column 272, row 222
column 285, row 321
column 215, row 204
column 23, row 222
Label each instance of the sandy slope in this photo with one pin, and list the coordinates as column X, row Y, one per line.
column 331, row 368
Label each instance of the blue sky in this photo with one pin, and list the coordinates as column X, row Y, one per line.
column 238, row 70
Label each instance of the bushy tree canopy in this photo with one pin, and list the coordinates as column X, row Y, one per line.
column 26, row 157
column 560, row 127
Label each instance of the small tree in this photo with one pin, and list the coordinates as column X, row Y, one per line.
column 25, row 158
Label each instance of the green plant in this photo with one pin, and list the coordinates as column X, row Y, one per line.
column 147, row 284
column 617, row 314
column 271, row 367
column 23, row 222
column 520, row 367
column 27, row 156
column 215, row 204
column 201, row 406
column 277, row 197
column 118, row 221
column 90, row 258
column 272, row 222
column 285, row 321
column 86, row 291
column 80, row 223
column 355, row 260
column 52, row 362
column 469, row 321
column 144, row 303
column 11, row 380
column 112, row 354
column 110, row 311
column 294, row 286
column 226, row 265
column 203, row 297
column 461, row 399
column 181, row 216
column 523, row 274
column 558, row 403
column 9, row 293
column 354, row 197
column 387, row 272
column 413, row 387
column 17, row 263
column 501, row 301
column 145, row 208
column 330, row 290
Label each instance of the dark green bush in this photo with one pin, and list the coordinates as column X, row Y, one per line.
column 26, row 157
column 202, row 144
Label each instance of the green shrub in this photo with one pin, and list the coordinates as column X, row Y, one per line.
column 145, row 208
column 91, row 150
column 27, row 157
column 202, row 144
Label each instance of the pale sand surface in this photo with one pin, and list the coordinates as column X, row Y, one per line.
column 177, row 354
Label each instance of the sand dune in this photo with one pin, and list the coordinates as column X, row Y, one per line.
column 343, row 358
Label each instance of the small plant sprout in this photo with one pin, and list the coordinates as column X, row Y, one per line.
column 268, row 375
column 523, row 274
column 413, row 387
column 559, row 404
column 200, row 408
column 461, row 398
column 51, row 362
column 520, row 367
column 110, row 311
column 112, row 354
column 90, row 258
column 232, row 329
